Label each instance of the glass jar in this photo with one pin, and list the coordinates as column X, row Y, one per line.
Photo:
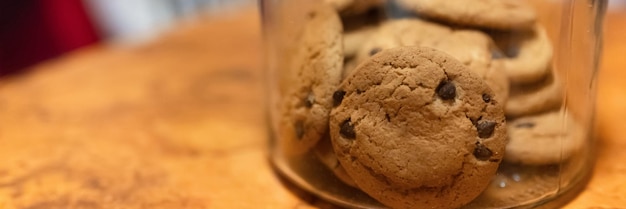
column 433, row 104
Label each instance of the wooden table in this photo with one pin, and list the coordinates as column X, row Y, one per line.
column 178, row 123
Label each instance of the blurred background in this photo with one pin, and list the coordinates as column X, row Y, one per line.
column 35, row 30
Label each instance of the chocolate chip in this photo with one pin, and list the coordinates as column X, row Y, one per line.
column 347, row 130
column 375, row 51
column 338, row 97
column 485, row 128
column 299, row 128
column 446, row 90
column 486, row 98
column 309, row 100
column 481, row 152
column 525, row 125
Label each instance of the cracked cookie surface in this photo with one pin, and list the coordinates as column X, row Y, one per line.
column 415, row 128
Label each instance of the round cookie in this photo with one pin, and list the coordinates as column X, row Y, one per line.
column 352, row 7
column 534, row 98
column 325, row 153
column 415, row 129
column 473, row 48
column 496, row 14
column 528, row 54
column 315, row 74
column 543, row 139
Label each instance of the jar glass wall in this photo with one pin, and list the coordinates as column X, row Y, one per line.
column 433, row 104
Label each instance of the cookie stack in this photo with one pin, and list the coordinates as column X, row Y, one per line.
column 409, row 100
column 415, row 128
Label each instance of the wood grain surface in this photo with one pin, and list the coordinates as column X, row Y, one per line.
column 178, row 123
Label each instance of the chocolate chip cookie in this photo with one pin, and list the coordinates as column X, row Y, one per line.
column 542, row 139
column 534, row 98
column 496, row 14
column 314, row 75
column 471, row 47
column 414, row 128
column 528, row 54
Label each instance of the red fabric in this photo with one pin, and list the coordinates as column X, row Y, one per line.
column 35, row 30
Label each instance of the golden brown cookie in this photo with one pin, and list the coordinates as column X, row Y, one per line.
column 497, row 14
column 415, row 128
column 543, row 139
column 528, row 54
column 313, row 77
column 527, row 99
